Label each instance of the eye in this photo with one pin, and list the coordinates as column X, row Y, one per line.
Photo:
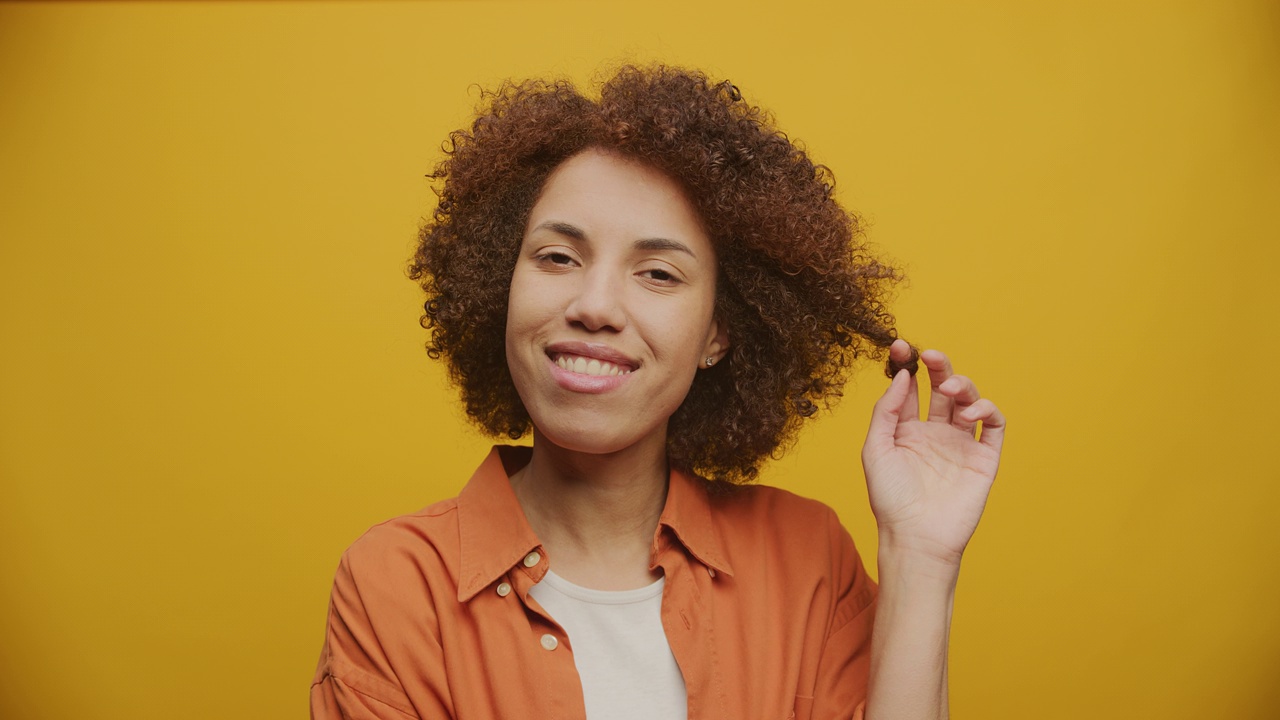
column 660, row 277
column 555, row 258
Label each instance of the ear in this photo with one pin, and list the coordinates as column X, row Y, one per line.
column 717, row 343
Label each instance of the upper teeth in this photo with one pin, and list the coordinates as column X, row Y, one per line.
column 588, row 366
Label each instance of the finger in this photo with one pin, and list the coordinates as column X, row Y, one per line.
column 986, row 412
column 911, row 406
column 900, row 351
column 940, row 406
column 962, row 393
column 902, row 355
column 885, row 414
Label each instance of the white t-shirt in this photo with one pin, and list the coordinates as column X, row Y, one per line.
column 619, row 648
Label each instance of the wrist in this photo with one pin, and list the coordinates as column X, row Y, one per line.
column 898, row 559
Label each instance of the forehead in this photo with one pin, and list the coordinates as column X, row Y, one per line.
column 607, row 194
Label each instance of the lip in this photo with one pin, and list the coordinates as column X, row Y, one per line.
column 576, row 382
column 598, row 351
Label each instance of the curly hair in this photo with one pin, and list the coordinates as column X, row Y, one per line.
column 800, row 293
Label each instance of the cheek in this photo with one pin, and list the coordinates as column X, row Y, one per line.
column 681, row 351
column 530, row 310
column 517, row 319
column 521, row 303
column 687, row 330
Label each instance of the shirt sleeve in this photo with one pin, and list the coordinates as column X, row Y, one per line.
column 356, row 679
column 845, row 666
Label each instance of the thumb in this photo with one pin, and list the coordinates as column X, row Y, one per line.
column 888, row 413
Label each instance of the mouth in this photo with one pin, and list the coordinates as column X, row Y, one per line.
column 591, row 359
column 588, row 366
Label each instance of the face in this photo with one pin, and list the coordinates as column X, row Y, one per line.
column 612, row 304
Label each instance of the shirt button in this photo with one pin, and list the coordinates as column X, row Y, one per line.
column 504, row 589
column 532, row 559
column 549, row 641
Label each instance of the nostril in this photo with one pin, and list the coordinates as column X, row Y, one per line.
column 597, row 309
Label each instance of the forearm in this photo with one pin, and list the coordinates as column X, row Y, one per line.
column 909, row 642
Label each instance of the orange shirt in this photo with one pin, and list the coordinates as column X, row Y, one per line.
column 766, row 606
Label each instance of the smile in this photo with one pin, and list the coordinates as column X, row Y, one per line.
column 588, row 366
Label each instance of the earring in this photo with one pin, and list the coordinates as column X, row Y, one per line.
column 710, row 361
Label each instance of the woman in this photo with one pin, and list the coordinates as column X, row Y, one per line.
column 660, row 288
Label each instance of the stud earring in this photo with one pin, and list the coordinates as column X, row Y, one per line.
column 710, row 361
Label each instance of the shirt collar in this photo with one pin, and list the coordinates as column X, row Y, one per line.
column 688, row 515
column 492, row 530
column 495, row 536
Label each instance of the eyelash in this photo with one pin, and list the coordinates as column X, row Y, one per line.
column 668, row 278
column 552, row 257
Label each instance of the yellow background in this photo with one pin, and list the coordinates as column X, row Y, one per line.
column 212, row 381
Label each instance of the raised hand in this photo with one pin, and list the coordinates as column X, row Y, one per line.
column 928, row 480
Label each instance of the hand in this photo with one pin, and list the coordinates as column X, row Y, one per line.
column 928, row 480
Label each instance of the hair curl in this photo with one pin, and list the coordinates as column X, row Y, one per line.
column 801, row 295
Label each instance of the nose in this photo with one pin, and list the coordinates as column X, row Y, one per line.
column 598, row 303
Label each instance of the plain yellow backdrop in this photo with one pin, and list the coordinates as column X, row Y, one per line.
column 212, row 378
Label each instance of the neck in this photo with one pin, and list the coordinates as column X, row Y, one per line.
column 595, row 514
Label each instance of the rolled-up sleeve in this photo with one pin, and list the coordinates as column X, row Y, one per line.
column 845, row 664
column 355, row 678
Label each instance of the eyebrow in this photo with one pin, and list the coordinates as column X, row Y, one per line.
column 563, row 228
column 576, row 233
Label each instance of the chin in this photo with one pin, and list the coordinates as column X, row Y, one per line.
column 585, row 442
column 588, row 440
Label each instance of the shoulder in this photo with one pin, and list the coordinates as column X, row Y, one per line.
column 419, row 548
column 383, row 613
column 762, row 509
column 774, row 536
column 427, row 524
column 764, row 521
